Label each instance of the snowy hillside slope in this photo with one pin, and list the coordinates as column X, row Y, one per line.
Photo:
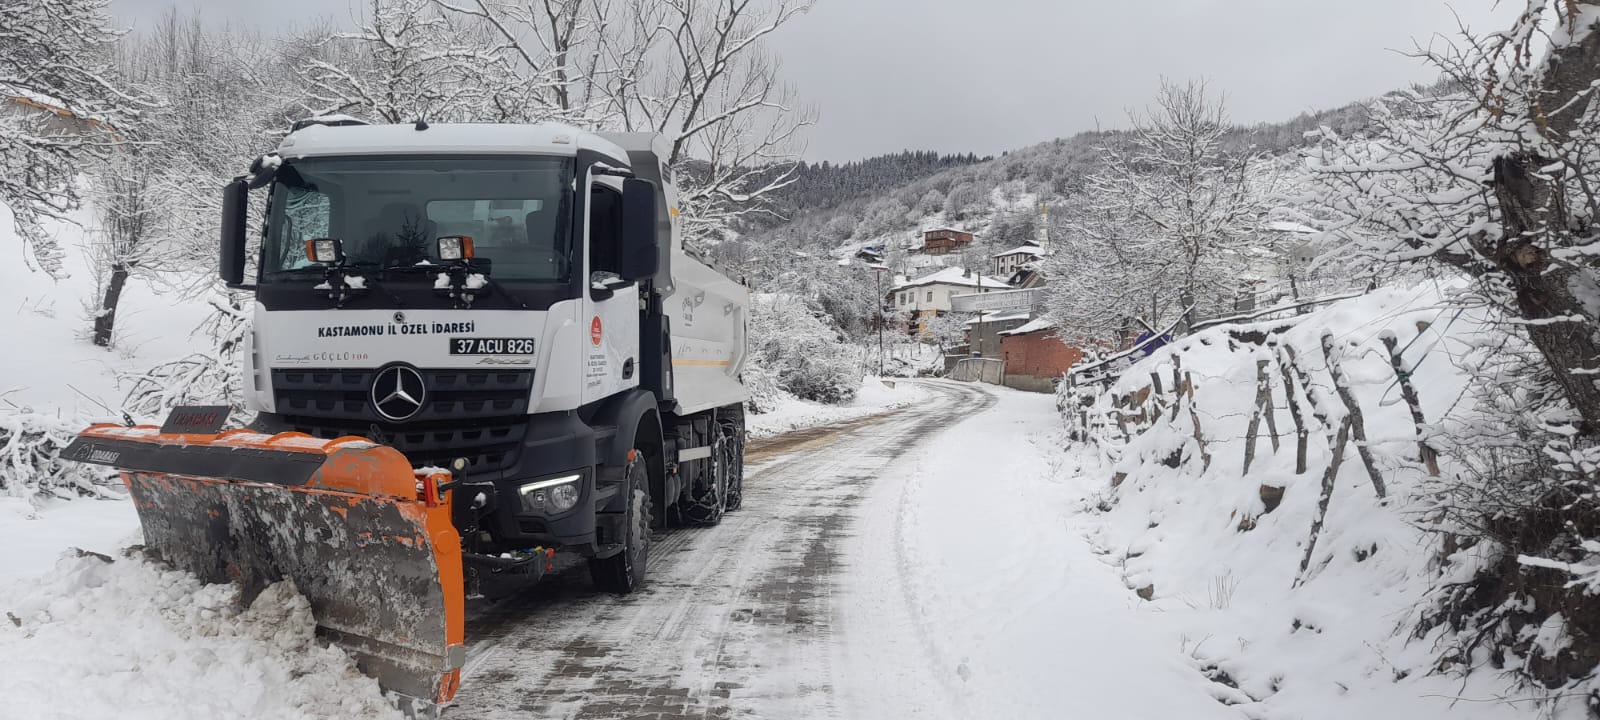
column 1200, row 538
column 56, row 380
column 53, row 367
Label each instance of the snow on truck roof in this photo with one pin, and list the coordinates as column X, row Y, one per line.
column 486, row 138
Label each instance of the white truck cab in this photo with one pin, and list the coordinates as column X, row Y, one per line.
column 510, row 300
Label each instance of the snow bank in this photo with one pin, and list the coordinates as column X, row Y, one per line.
column 127, row 639
column 1219, row 550
column 790, row 413
column 35, row 531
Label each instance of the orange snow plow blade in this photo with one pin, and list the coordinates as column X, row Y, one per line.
column 345, row 520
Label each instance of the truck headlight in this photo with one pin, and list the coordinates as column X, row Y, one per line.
column 555, row 496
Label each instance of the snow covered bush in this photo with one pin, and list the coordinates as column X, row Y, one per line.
column 795, row 351
column 30, row 457
column 213, row 376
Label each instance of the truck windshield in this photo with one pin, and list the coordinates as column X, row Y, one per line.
column 389, row 213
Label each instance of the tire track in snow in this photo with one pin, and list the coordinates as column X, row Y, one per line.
column 735, row 621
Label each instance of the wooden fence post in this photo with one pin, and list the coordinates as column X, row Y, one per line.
column 1267, row 405
column 1352, row 410
column 1302, row 434
column 1194, row 418
column 1263, row 400
column 1177, row 386
column 1328, row 477
column 1157, row 401
column 1428, row 456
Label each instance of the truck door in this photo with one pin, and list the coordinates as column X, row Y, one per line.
column 611, row 362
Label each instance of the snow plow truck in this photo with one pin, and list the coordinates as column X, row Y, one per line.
column 475, row 350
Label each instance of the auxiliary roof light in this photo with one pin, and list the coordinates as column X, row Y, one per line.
column 328, row 251
column 455, row 247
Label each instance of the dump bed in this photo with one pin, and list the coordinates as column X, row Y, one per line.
column 707, row 310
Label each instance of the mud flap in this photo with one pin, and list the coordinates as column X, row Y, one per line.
column 344, row 520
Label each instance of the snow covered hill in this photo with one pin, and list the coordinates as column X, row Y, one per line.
column 998, row 199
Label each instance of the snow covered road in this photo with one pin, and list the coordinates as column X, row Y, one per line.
column 925, row 562
column 914, row 564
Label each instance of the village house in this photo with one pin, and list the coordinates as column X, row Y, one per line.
column 984, row 331
column 927, row 297
column 52, row 117
column 1035, row 358
column 1008, row 263
column 943, row 241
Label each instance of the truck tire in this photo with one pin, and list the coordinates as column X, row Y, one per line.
column 623, row 572
column 708, row 502
column 735, row 461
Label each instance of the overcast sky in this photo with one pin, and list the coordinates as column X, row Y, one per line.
column 987, row 76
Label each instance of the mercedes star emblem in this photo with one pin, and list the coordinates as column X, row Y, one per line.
column 399, row 318
column 398, row 392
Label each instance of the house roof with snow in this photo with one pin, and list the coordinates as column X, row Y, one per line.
column 38, row 102
column 1034, row 325
column 1033, row 250
column 955, row 276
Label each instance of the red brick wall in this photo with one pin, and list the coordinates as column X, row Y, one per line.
column 1038, row 354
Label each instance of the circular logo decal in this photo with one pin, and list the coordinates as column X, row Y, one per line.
column 594, row 331
column 400, row 317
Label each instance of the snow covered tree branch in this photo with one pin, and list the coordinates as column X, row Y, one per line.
column 1166, row 223
column 55, row 73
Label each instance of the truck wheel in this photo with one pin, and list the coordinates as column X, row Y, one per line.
column 708, row 501
column 735, row 462
column 623, row 572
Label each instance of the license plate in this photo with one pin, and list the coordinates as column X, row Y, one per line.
column 491, row 346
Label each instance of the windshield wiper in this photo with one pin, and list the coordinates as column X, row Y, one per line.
column 417, row 269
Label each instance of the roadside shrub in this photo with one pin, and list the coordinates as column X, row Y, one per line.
column 793, row 349
column 30, row 458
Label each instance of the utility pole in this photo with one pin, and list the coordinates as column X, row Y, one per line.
column 877, row 275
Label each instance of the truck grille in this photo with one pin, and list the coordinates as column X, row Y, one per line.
column 479, row 415
column 452, row 394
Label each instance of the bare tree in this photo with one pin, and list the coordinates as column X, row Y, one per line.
column 693, row 70
column 413, row 61
column 1165, row 223
column 127, row 239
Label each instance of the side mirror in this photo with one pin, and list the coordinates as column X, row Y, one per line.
column 235, row 207
column 641, row 243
